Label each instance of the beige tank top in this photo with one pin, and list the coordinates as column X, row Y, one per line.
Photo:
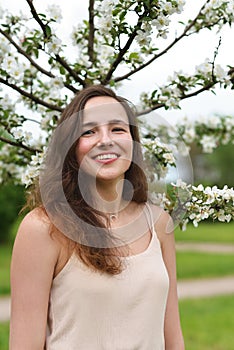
column 94, row 311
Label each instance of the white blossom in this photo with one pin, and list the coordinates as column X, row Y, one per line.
column 17, row 73
column 143, row 37
column 204, row 68
column 221, row 215
column 208, row 142
column 214, row 122
column 54, row 45
column 1, row 12
column 189, row 135
column 54, row 11
column 220, row 73
column 6, row 102
column 229, row 123
column 160, row 22
column 5, row 48
column 13, row 68
column 8, row 62
column 159, row 199
column 199, row 188
column 18, row 133
column 76, row 33
column 169, row 158
column 33, row 169
column 180, row 183
column 104, row 25
column 180, row 5
column 105, row 52
column 29, row 175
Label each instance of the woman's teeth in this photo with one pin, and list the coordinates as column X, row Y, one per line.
column 106, row 156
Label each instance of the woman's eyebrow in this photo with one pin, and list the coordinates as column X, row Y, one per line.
column 113, row 121
column 117, row 121
column 89, row 125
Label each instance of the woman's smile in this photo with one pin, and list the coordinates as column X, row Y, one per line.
column 106, row 158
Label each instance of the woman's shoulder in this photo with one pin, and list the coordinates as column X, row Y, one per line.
column 163, row 222
column 35, row 230
column 35, row 220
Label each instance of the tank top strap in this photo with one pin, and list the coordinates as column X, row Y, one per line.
column 150, row 219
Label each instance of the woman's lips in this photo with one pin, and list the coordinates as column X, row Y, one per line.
column 106, row 157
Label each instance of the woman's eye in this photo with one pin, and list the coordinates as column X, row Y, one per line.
column 87, row 133
column 118, row 129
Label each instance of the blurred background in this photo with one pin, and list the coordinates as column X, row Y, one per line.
column 203, row 253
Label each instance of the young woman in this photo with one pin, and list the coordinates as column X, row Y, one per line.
column 93, row 264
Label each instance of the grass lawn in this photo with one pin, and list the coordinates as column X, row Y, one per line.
column 208, row 323
column 201, row 265
column 5, row 260
column 207, row 232
column 4, row 336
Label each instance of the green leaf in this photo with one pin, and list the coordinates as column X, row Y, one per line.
column 62, row 70
column 36, row 52
column 133, row 55
column 116, row 11
column 48, row 31
column 41, row 15
column 122, row 15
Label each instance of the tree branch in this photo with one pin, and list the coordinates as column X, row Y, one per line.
column 123, row 50
column 37, row 18
column 63, row 63
column 19, row 145
column 91, row 31
column 31, row 96
column 29, row 58
column 175, row 41
column 160, row 105
column 204, row 88
column 32, row 120
column 215, row 56
column 58, row 58
column 33, row 63
column 119, row 57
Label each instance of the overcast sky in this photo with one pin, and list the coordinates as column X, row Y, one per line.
column 189, row 53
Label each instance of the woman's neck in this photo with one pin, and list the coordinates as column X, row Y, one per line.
column 108, row 196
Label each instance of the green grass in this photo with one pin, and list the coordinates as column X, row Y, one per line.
column 207, row 232
column 202, row 265
column 5, row 261
column 4, row 336
column 208, row 323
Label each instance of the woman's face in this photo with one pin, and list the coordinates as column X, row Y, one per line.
column 104, row 149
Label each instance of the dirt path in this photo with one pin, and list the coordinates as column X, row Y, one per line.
column 206, row 287
column 205, row 247
column 4, row 309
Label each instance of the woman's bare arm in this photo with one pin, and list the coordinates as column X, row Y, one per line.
column 34, row 259
column 172, row 328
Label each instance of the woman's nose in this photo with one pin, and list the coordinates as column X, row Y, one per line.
column 105, row 138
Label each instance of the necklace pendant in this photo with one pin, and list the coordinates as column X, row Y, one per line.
column 113, row 217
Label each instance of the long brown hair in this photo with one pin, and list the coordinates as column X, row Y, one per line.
column 91, row 228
